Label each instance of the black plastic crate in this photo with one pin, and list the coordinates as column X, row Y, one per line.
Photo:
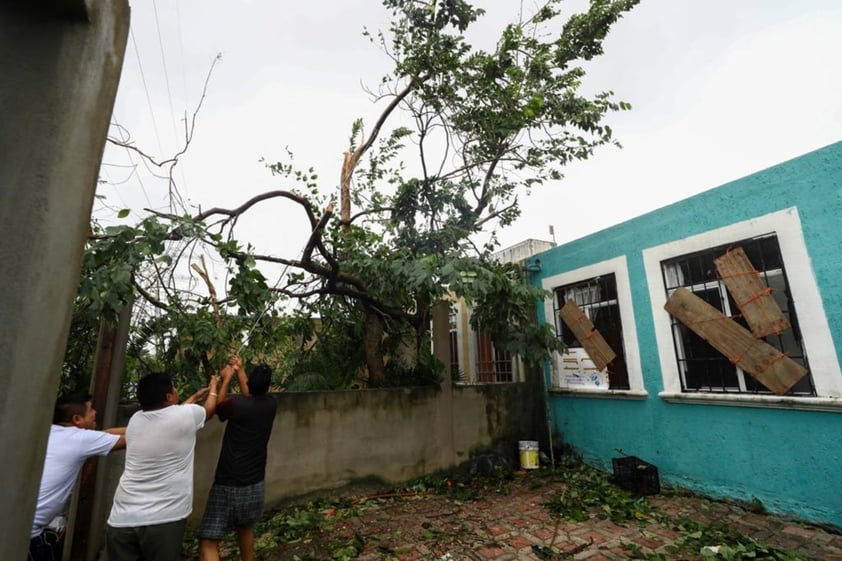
column 634, row 475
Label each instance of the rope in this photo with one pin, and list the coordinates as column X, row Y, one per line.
column 765, row 292
column 778, row 358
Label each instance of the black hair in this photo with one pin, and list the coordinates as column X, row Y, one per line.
column 152, row 390
column 259, row 378
column 69, row 405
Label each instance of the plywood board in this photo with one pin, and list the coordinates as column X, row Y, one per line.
column 753, row 297
column 767, row 364
column 596, row 347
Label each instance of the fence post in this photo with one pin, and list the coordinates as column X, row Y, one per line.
column 91, row 500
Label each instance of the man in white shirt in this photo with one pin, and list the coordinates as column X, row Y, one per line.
column 72, row 440
column 155, row 493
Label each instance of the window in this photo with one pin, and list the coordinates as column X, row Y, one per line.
column 492, row 365
column 597, row 299
column 701, row 367
column 694, row 372
column 473, row 357
column 602, row 293
column 455, row 370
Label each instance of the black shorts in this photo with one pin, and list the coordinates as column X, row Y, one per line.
column 231, row 507
column 156, row 542
column 46, row 546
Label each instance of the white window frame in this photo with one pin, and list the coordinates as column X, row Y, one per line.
column 815, row 331
column 617, row 266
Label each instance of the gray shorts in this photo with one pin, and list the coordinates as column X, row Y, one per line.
column 231, row 507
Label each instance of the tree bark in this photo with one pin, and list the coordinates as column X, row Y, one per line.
column 373, row 355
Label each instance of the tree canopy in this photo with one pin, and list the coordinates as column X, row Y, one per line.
column 464, row 133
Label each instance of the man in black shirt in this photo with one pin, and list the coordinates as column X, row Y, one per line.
column 236, row 498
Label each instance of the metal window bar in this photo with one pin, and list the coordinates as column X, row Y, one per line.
column 456, row 373
column 597, row 298
column 701, row 367
column 492, row 365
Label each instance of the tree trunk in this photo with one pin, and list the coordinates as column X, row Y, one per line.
column 373, row 356
column 422, row 324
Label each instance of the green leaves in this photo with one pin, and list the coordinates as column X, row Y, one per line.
column 487, row 127
column 465, row 133
column 719, row 542
column 590, row 492
column 504, row 307
column 248, row 288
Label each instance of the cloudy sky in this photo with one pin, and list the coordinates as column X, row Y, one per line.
column 719, row 89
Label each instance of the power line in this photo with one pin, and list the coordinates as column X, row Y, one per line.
column 169, row 97
column 146, row 89
column 164, row 64
column 183, row 86
column 181, row 51
column 116, row 191
column 121, row 130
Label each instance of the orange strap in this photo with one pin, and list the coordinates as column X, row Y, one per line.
column 765, row 292
column 736, row 360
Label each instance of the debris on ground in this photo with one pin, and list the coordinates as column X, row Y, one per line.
column 573, row 513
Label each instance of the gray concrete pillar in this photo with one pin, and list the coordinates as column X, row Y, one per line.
column 61, row 64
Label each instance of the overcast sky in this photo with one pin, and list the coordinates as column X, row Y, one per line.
column 719, row 89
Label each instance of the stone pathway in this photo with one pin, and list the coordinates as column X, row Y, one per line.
column 511, row 523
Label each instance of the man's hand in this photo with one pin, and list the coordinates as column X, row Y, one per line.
column 234, row 364
column 198, row 396
column 227, row 372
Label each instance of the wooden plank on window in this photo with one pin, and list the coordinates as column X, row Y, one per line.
column 753, row 297
column 767, row 364
column 596, row 347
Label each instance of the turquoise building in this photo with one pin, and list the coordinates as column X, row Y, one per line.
column 686, row 392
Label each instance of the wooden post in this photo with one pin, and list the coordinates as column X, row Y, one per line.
column 87, row 523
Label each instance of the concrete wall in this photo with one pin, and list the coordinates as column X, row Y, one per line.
column 327, row 440
column 785, row 452
column 61, row 63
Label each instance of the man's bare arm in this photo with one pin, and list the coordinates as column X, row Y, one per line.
column 242, row 379
column 121, row 442
column 227, row 373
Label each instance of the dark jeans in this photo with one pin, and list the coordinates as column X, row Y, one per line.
column 157, row 542
column 46, row 546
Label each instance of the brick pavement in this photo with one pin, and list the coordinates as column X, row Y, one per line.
column 500, row 526
column 504, row 527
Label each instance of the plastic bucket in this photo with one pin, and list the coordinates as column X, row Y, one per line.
column 528, row 454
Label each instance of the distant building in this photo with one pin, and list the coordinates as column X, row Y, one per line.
column 473, row 357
